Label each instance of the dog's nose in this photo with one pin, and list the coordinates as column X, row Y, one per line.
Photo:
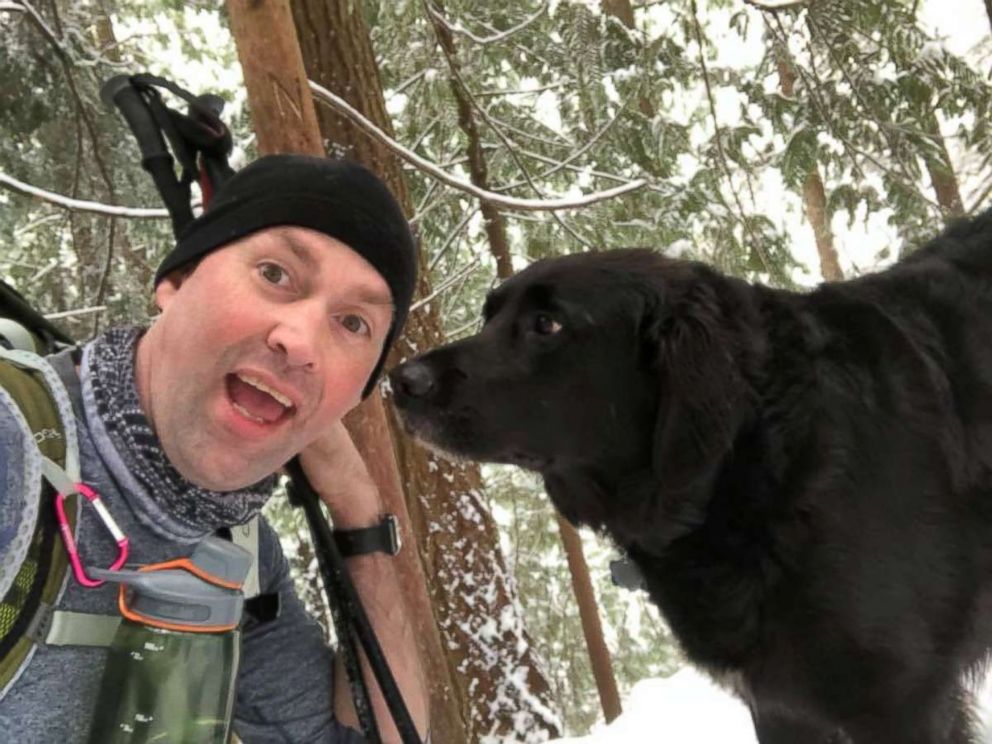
column 414, row 379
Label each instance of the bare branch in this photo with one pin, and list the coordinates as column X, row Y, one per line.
column 507, row 202
column 483, row 40
column 13, row 7
column 110, row 210
column 73, row 313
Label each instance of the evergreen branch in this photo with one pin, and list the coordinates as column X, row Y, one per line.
column 45, row 29
column 561, row 142
column 426, row 204
column 719, row 142
column 415, row 78
column 886, row 127
column 467, row 103
column 425, row 166
column 110, row 210
column 448, row 241
column 446, row 284
column 502, row 35
column 559, row 165
column 454, row 334
column 68, row 65
column 852, row 150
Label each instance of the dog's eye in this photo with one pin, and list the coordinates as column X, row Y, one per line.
column 546, row 325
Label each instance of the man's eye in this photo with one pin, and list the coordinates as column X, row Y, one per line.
column 355, row 324
column 545, row 325
column 272, row 273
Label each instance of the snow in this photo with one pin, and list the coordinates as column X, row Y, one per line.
column 685, row 708
column 688, row 708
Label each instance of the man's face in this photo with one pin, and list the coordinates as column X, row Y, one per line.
column 284, row 316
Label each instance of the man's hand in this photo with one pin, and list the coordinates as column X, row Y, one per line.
column 338, row 474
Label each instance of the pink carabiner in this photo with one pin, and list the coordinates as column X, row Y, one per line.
column 70, row 542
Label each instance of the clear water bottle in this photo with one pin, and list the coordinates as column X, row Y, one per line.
column 174, row 659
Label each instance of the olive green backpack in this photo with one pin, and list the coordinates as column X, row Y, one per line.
column 35, row 565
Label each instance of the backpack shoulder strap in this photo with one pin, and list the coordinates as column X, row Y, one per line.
column 48, row 425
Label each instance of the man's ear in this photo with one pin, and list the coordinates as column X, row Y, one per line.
column 703, row 397
column 169, row 286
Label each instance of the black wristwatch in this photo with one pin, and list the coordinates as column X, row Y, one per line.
column 383, row 537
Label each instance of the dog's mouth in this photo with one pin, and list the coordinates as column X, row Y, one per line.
column 456, row 436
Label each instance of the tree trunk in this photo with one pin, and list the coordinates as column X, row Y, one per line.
column 445, row 500
column 814, row 195
column 624, row 12
column 285, row 121
column 495, row 226
column 945, row 183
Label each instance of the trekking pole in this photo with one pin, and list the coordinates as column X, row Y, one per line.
column 155, row 156
column 338, row 584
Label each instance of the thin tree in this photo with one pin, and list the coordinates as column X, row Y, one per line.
column 495, row 227
column 814, row 193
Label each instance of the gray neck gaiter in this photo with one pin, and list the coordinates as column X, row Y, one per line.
column 166, row 502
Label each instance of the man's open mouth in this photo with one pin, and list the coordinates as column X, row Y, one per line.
column 256, row 401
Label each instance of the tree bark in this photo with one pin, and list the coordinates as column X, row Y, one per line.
column 285, row 121
column 814, row 194
column 445, row 501
column 495, row 226
column 624, row 12
column 945, row 182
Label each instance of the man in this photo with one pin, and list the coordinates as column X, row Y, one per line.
column 278, row 307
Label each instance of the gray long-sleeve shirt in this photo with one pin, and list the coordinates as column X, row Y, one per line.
column 284, row 684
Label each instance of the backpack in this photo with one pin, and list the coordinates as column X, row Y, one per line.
column 35, row 570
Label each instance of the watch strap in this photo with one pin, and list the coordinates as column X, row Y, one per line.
column 383, row 537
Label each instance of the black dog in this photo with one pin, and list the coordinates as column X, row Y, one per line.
column 805, row 480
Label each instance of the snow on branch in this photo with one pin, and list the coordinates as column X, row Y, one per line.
column 15, row 7
column 500, row 200
column 775, row 5
column 74, row 313
column 483, row 40
column 111, row 210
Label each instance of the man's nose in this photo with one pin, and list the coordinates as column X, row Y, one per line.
column 414, row 379
column 297, row 335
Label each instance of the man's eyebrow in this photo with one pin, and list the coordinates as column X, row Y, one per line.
column 363, row 295
column 300, row 251
column 368, row 296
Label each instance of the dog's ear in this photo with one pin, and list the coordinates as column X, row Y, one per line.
column 696, row 348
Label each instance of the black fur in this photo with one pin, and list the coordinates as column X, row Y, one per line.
column 805, row 480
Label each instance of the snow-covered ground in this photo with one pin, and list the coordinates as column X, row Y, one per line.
column 686, row 708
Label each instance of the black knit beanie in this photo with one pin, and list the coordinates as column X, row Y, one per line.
column 339, row 198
